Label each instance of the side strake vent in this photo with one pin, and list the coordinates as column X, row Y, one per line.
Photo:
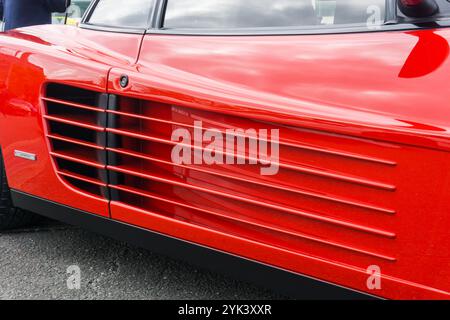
column 75, row 123
column 334, row 196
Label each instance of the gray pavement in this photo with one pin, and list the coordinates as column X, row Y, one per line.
column 34, row 262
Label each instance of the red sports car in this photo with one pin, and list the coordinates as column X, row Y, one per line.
column 304, row 144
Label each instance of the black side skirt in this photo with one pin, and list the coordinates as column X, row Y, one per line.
column 282, row 281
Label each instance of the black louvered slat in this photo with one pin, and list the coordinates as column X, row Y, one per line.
column 75, row 122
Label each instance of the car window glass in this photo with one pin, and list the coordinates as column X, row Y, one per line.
column 271, row 13
column 119, row 13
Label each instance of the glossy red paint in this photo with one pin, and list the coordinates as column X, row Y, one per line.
column 29, row 59
column 364, row 128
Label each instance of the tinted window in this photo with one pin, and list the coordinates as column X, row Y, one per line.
column 119, row 13
column 219, row 14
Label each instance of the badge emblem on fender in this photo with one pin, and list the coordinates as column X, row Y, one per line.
column 25, row 155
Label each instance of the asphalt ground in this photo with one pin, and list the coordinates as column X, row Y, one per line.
column 36, row 263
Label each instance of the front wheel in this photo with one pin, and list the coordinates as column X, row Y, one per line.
column 10, row 217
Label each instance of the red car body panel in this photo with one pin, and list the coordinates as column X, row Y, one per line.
column 364, row 144
column 59, row 55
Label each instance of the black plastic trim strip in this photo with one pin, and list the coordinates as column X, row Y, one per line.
column 111, row 29
column 425, row 24
column 113, row 141
column 391, row 12
column 102, row 155
column 89, row 10
column 158, row 16
column 285, row 282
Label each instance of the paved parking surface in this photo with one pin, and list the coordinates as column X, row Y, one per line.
column 34, row 262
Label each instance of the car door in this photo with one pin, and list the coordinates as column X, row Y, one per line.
column 339, row 89
column 59, row 74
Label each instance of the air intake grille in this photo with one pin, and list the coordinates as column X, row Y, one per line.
column 323, row 198
column 332, row 192
column 75, row 123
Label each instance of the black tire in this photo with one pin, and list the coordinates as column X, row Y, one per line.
column 10, row 217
